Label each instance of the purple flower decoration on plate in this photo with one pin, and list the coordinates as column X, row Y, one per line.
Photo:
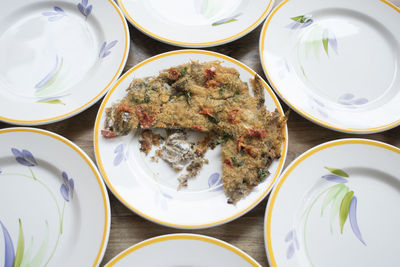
column 67, row 188
column 162, row 199
column 334, row 178
column 353, row 219
column 346, row 202
column 329, row 40
column 50, row 74
column 9, row 253
column 84, row 8
column 318, row 106
column 119, row 154
column 55, row 15
column 350, row 101
column 24, row 157
column 227, row 20
column 291, row 239
column 105, row 48
column 215, row 182
column 342, row 203
column 283, row 67
column 300, row 22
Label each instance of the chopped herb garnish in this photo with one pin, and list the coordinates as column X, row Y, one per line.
column 183, row 71
column 213, row 119
column 225, row 137
column 137, row 101
column 260, row 103
column 146, row 99
column 237, row 92
column 222, row 90
column 262, row 174
column 237, row 162
column 188, row 95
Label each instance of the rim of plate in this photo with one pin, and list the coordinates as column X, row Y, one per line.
column 168, row 237
column 155, row 220
column 94, row 99
column 292, row 166
column 299, row 111
column 200, row 44
column 95, row 171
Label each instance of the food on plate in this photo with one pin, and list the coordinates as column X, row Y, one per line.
column 210, row 98
column 148, row 139
column 178, row 152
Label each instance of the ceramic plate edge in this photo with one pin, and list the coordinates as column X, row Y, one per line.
column 293, row 165
column 198, row 45
column 168, row 237
column 92, row 166
column 307, row 115
column 92, row 101
column 177, row 226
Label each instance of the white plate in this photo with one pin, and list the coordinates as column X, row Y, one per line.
column 150, row 188
column 196, row 23
column 180, row 250
column 336, row 62
column 58, row 58
column 54, row 205
column 346, row 217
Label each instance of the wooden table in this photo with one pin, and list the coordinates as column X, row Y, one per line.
column 247, row 232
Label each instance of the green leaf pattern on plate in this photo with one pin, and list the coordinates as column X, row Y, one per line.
column 40, row 254
column 313, row 37
column 331, row 196
column 337, row 172
column 20, row 246
column 301, row 19
column 343, row 204
column 27, row 255
column 344, row 209
column 337, row 202
column 325, row 41
column 51, row 101
column 22, row 257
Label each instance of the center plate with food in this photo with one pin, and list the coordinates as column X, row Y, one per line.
column 190, row 139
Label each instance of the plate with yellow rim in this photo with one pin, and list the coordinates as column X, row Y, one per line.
column 149, row 188
column 196, row 23
column 336, row 62
column 183, row 250
column 336, row 205
column 58, row 58
column 54, row 205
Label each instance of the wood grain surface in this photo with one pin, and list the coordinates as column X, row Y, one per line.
column 246, row 232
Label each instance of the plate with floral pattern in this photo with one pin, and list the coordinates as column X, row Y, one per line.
column 183, row 250
column 148, row 186
column 54, row 205
column 196, row 23
column 58, row 58
column 335, row 62
column 336, row 205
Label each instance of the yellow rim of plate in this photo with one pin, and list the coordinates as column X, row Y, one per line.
column 204, row 44
column 93, row 100
column 123, row 77
column 94, row 170
column 303, row 113
column 179, row 237
column 293, row 165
